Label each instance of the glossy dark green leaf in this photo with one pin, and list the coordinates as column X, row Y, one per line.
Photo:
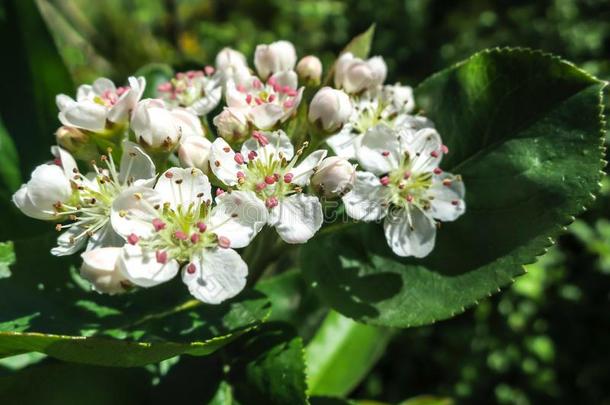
column 10, row 176
column 47, row 309
column 7, row 258
column 268, row 367
column 524, row 129
column 341, row 353
column 37, row 74
column 155, row 74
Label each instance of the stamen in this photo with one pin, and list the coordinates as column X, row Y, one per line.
column 158, row 224
column 385, row 153
column 261, row 186
column 434, row 154
column 252, row 154
column 437, row 170
column 219, row 192
column 271, row 202
column 385, row 180
column 201, row 226
column 195, row 238
column 444, row 149
column 455, row 202
column 409, row 198
column 239, row 158
column 180, row 235
column 191, row 268
column 133, row 239
column 406, row 175
column 270, row 180
column 161, row 256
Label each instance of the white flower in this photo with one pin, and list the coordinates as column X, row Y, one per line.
column 267, row 167
column 334, row 178
column 198, row 91
column 404, row 184
column 355, row 75
column 158, row 127
column 50, row 185
column 89, row 210
column 174, row 225
column 309, row 69
column 98, row 103
column 232, row 124
column 265, row 104
column 331, row 107
column 273, row 58
column 231, row 64
column 100, row 269
column 389, row 105
column 194, row 151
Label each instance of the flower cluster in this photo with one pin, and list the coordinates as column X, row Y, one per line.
column 149, row 188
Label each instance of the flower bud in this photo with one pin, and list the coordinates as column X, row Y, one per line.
column 194, row 152
column 355, row 75
column 276, row 57
column 335, row 177
column 77, row 142
column 100, row 269
column 310, row 70
column 232, row 124
column 229, row 58
column 157, row 127
column 331, row 108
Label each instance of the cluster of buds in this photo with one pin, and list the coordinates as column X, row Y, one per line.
column 169, row 197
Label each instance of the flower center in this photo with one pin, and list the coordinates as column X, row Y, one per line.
column 270, row 92
column 186, row 88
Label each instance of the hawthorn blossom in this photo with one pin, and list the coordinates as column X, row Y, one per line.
column 198, row 91
column 231, row 65
column 334, row 177
column 175, row 225
column 309, row 69
column 265, row 104
column 50, row 185
column 100, row 104
column 273, row 58
column 330, row 109
column 403, row 184
column 267, row 167
column 390, row 105
column 100, row 269
column 89, row 209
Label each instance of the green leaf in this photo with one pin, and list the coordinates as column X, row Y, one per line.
column 268, row 367
column 47, row 310
column 427, row 400
column 7, row 258
column 524, row 129
column 10, row 177
column 36, row 74
column 341, row 353
column 155, row 74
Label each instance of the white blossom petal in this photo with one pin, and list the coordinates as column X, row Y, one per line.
column 379, row 150
column 297, row 218
column 181, row 187
column 66, row 244
column 304, row 170
column 410, row 232
column 368, row 200
column 105, row 237
column 219, row 274
column 101, row 270
column 135, row 164
column 425, row 150
column 68, row 164
column 265, row 116
column 133, row 211
column 222, row 162
column 85, row 115
column 278, row 142
column 142, row 268
column 238, row 216
column 447, row 199
column 342, row 143
column 207, row 103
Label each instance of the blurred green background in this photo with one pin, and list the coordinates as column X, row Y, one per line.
column 544, row 340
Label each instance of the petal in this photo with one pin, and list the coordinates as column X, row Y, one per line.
column 342, row 143
column 68, row 163
column 102, row 85
column 22, row 200
column 288, row 78
column 368, row 200
column 425, row 150
column 101, row 270
column 238, row 216
column 304, row 170
column 66, row 245
column 188, row 123
column 222, row 162
column 135, row 164
column 105, row 237
column 409, row 232
column 297, row 218
column 141, row 267
column 64, row 102
column 447, row 200
column 278, row 142
column 265, row 116
column 85, row 92
column 207, row 103
column 379, row 150
column 48, row 186
column 133, row 211
column 85, row 115
column 220, row 274
column 179, row 186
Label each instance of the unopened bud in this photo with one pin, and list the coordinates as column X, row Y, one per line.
column 355, row 75
column 276, row 57
column 331, row 108
column 77, row 142
column 334, row 178
column 232, row 124
column 309, row 70
column 194, row 151
column 101, row 270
